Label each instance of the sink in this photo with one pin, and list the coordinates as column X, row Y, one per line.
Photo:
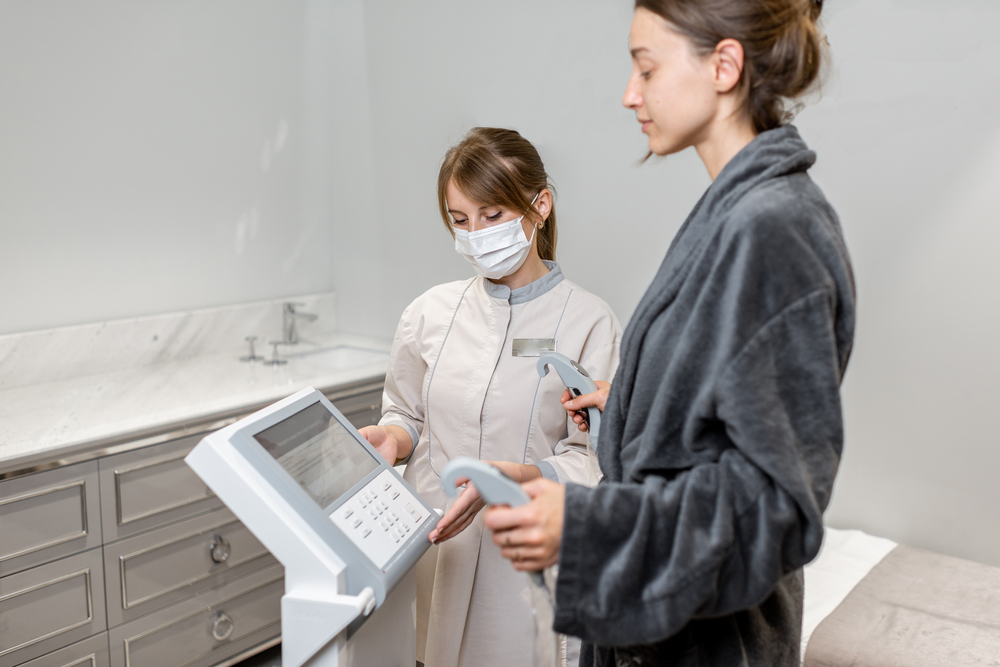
column 338, row 356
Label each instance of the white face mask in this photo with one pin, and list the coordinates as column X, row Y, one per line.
column 495, row 252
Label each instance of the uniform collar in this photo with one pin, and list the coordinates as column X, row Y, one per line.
column 529, row 291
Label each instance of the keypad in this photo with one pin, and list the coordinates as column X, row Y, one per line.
column 380, row 517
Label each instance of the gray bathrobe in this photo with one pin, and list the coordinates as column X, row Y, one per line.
column 722, row 435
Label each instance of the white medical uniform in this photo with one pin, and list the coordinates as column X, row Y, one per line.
column 455, row 386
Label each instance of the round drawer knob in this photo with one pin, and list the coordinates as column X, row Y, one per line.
column 222, row 627
column 219, row 548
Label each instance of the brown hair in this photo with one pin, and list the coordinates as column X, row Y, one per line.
column 499, row 167
column 783, row 47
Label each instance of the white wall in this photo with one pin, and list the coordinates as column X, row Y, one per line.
column 132, row 180
column 909, row 153
column 157, row 156
column 909, row 146
column 555, row 71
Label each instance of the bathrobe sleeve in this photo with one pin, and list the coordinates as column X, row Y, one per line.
column 402, row 397
column 643, row 556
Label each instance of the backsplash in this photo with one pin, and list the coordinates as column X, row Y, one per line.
column 69, row 352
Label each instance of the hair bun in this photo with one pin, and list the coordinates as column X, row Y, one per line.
column 783, row 47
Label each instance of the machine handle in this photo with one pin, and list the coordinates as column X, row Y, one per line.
column 222, row 627
column 495, row 487
column 219, row 549
column 576, row 379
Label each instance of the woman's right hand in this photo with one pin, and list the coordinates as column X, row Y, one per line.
column 575, row 404
column 392, row 442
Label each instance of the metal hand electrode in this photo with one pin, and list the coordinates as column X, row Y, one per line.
column 494, row 487
column 578, row 382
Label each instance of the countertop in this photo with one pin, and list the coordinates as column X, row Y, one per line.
column 60, row 419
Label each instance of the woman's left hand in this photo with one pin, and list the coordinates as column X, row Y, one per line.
column 529, row 535
column 468, row 505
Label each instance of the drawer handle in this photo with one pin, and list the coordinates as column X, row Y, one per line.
column 222, row 627
column 219, row 548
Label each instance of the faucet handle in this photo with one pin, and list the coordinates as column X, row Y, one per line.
column 253, row 356
column 275, row 359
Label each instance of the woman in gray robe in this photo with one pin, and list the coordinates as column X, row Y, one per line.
column 723, row 430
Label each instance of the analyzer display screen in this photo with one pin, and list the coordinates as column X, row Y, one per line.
column 319, row 453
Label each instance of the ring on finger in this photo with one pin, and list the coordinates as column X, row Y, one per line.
column 506, row 539
column 520, row 557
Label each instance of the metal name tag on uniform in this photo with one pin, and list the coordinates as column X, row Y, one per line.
column 532, row 347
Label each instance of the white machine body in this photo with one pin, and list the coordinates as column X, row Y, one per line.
column 346, row 526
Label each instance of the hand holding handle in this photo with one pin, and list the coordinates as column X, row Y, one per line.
column 576, row 379
column 494, row 487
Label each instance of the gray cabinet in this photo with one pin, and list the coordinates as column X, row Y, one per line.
column 150, row 487
column 129, row 560
column 48, row 515
column 50, row 606
column 91, row 652
column 362, row 409
column 155, row 569
column 204, row 629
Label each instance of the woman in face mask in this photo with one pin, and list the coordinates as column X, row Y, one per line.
column 462, row 382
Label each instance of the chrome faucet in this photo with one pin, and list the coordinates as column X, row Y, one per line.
column 289, row 316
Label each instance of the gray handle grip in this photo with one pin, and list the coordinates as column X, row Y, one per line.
column 575, row 377
column 495, row 487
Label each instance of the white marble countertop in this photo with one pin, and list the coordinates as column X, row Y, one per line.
column 57, row 418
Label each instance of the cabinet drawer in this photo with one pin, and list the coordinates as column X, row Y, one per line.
column 51, row 606
column 150, row 571
column 226, row 621
column 363, row 409
column 48, row 515
column 92, row 652
column 149, row 487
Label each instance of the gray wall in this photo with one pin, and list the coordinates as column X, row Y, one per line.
column 132, row 143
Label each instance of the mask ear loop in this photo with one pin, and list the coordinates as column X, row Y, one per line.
column 541, row 223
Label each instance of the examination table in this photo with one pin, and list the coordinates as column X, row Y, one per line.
column 871, row 602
